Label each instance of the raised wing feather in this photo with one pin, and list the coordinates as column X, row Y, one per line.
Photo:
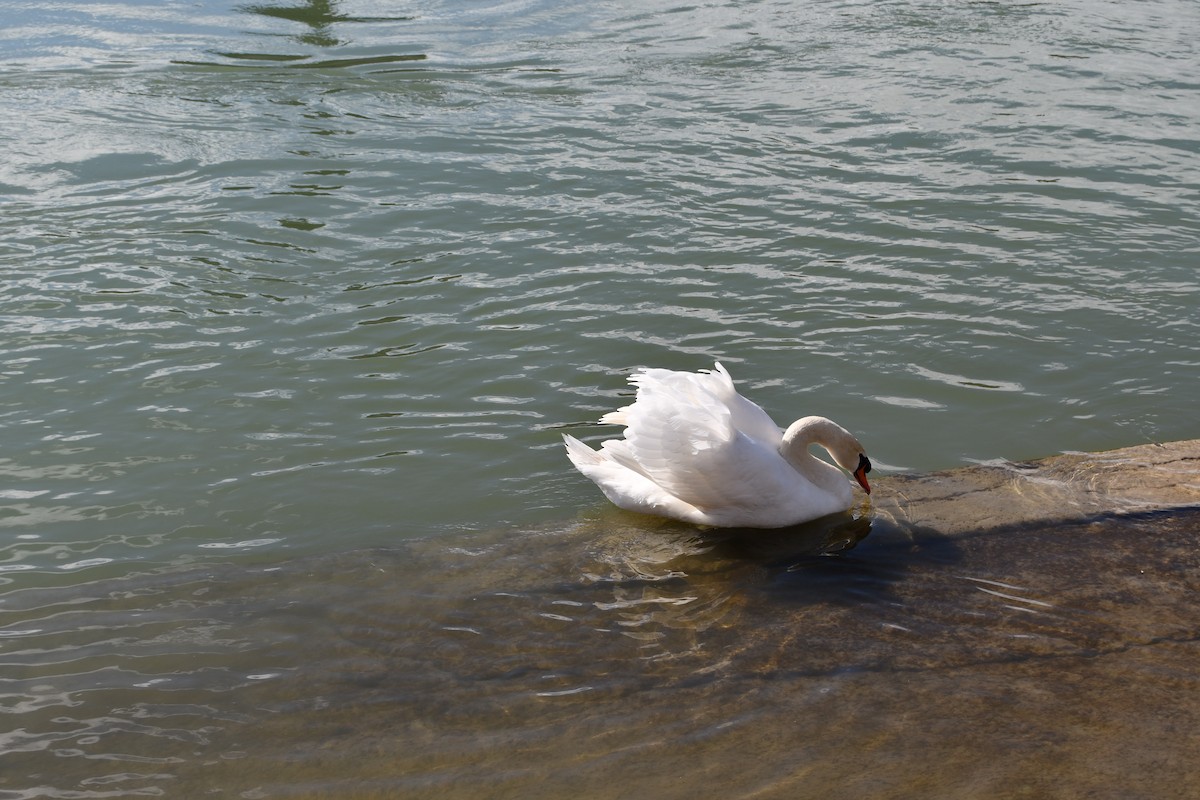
column 748, row 416
column 713, row 385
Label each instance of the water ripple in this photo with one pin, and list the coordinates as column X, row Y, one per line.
column 347, row 287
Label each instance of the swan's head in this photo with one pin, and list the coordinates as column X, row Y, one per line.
column 860, row 472
column 849, row 456
column 847, row 452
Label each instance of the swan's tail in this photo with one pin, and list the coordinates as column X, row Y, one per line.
column 580, row 454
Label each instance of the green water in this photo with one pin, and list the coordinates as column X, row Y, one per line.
column 290, row 282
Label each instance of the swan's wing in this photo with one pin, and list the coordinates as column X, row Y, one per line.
column 682, row 436
column 649, row 381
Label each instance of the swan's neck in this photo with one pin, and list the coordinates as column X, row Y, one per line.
column 802, row 434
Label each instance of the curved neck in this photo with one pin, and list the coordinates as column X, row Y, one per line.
column 808, row 431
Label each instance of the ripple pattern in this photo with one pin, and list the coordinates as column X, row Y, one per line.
column 378, row 277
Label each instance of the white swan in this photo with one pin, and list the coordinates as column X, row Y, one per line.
column 697, row 451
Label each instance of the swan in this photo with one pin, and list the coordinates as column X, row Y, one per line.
column 696, row 450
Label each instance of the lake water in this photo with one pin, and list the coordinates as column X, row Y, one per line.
column 294, row 290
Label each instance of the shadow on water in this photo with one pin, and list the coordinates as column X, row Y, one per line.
column 831, row 560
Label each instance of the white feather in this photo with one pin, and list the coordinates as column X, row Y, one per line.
column 696, row 450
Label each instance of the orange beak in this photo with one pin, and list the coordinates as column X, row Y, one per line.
column 860, row 474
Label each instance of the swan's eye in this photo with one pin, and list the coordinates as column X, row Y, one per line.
column 864, row 463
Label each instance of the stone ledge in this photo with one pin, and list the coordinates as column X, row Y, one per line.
column 1068, row 487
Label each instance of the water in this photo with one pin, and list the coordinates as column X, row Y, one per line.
column 288, row 284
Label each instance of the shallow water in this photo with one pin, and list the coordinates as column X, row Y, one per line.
column 856, row 658
column 291, row 291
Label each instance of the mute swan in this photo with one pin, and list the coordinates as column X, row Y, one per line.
column 697, row 451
